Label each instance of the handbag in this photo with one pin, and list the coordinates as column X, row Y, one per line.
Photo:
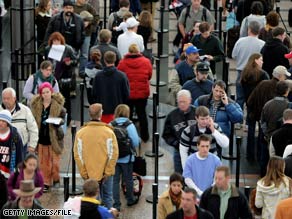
column 139, row 165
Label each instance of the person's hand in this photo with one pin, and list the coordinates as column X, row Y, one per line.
column 67, row 61
column 211, row 125
column 209, row 57
column 104, row 178
column 86, row 23
column 224, row 98
column 30, row 149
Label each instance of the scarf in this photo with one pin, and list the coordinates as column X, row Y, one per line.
column 49, row 79
column 175, row 199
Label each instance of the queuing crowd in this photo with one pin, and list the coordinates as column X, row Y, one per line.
column 113, row 63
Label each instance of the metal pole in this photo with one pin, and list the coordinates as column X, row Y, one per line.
column 154, row 203
column 66, row 187
column 4, row 85
column 73, row 132
column 104, row 14
column 81, row 104
column 16, row 73
column 216, row 13
column 231, row 137
column 224, row 41
column 156, row 137
column 220, row 22
column 238, row 144
column 22, row 26
column 225, row 75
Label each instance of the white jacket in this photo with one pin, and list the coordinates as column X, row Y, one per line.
column 268, row 197
column 24, row 121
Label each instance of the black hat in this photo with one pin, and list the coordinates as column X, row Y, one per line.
column 68, row 3
column 203, row 67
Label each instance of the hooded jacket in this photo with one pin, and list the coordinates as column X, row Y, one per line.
column 139, row 71
column 110, row 88
column 267, row 197
column 56, row 110
column 96, row 150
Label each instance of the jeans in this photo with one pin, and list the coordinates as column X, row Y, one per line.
column 239, row 90
column 140, row 108
column 177, row 162
column 126, row 170
column 84, row 54
column 106, row 192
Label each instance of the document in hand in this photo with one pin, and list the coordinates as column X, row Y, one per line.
column 56, row 52
column 54, row 120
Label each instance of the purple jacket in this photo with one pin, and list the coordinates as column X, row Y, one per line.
column 38, row 182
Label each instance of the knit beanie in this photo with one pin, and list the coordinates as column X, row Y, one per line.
column 5, row 115
column 45, row 85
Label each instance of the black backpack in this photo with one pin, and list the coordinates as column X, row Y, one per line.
column 116, row 23
column 124, row 142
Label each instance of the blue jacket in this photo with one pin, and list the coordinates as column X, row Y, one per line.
column 225, row 114
column 185, row 72
column 133, row 135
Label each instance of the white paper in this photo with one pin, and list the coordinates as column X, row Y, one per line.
column 3, row 12
column 54, row 120
column 56, row 52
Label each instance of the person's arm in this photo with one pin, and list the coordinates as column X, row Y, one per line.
column 10, row 187
column 33, row 131
column 221, row 139
column 168, row 133
column 19, row 149
column 113, row 154
column 56, row 87
column 272, row 148
column 181, row 22
column 161, row 209
column 111, row 21
column 133, row 135
column 141, row 44
column 39, row 182
column 190, row 183
column 235, row 51
column 78, row 147
column 183, row 151
column 174, row 84
column 27, row 90
column 234, row 112
column 259, row 199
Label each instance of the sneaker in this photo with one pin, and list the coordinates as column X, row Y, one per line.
column 134, row 202
column 46, row 188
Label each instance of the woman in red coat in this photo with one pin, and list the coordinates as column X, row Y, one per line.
column 139, row 71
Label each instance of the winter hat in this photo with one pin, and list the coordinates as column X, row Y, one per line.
column 86, row 16
column 68, row 3
column 45, row 85
column 5, row 115
column 132, row 22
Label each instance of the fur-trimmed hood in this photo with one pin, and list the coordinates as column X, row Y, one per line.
column 56, row 110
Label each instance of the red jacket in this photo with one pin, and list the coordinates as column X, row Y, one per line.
column 139, row 71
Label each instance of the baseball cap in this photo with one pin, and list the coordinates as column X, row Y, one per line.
column 288, row 56
column 203, row 67
column 132, row 22
column 192, row 49
column 281, row 70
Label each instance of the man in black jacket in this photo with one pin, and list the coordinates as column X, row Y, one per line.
column 177, row 120
column 69, row 24
column 223, row 199
column 189, row 208
column 110, row 87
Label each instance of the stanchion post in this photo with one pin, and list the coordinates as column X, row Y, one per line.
column 73, row 132
column 155, row 198
column 4, row 85
column 247, row 191
column 81, row 104
column 216, row 13
column 156, row 145
column 66, row 187
column 225, row 75
column 225, row 41
column 231, row 137
column 16, row 52
column 238, row 146
column 104, row 14
column 220, row 22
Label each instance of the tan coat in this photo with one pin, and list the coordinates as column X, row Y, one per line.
column 56, row 110
column 165, row 206
column 96, row 150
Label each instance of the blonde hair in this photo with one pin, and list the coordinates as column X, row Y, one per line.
column 122, row 110
column 133, row 48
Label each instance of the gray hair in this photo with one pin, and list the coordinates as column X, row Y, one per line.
column 185, row 93
column 9, row 89
column 254, row 27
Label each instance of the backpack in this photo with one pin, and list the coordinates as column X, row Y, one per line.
column 124, row 142
column 116, row 23
column 203, row 18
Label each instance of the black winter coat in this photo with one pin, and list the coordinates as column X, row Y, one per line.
column 237, row 204
column 201, row 214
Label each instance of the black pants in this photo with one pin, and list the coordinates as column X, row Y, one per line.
column 139, row 106
column 177, row 38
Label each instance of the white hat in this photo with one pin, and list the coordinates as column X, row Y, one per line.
column 5, row 115
column 132, row 22
column 281, row 70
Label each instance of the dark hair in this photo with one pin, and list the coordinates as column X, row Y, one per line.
column 204, row 137
column 29, row 156
column 191, row 190
column 204, row 27
column 202, row 111
column 176, row 177
column 90, row 187
column 56, row 36
column 257, row 8
column 220, row 84
column 109, row 57
column 272, row 19
column 281, row 88
column 124, row 3
column 251, row 69
column 277, row 31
